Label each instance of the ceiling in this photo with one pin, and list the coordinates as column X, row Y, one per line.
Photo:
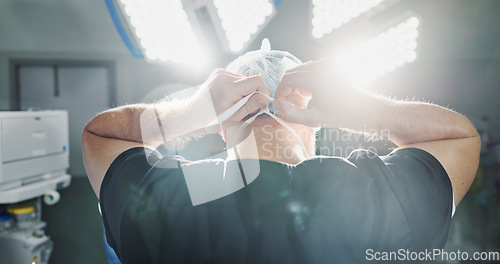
column 450, row 28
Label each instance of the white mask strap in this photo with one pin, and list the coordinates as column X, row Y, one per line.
column 229, row 112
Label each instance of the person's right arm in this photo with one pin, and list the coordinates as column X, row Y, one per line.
column 449, row 136
column 147, row 125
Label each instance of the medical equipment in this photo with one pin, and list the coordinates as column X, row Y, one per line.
column 6, row 222
column 34, row 154
column 24, row 240
column 34, row 157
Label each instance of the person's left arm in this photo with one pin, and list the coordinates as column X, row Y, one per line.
column 116, row 130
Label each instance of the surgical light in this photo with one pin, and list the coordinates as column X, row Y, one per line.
column 328, row 15
column 241, row 20
column 163, row 30
column 382, row 54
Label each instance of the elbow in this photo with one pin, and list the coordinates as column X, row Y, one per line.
column 109, row 123
column 474, row 133
column 474, row 137
column 90, row 129
column 94, row 126
column 87, row 131
column 474, row 149
column 119, row 123
column 477, row 144
column 466, row 129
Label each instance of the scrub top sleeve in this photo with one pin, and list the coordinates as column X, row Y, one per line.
column 122, row 179
column 425, row 192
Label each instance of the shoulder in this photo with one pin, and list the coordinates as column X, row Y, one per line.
column 422, row 188
column 404, row 193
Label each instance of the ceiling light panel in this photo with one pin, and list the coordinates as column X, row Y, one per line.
column 382, row 54
column 328, row 15
column 163, row 30
column 241, row 20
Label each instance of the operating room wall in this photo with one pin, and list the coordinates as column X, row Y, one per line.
column 74, row 30
column 135, row 81
column 52, row 30
column 458, row 60
column 77, row 31
column 134, row 78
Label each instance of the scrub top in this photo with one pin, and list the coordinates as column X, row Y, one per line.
column 323, row 210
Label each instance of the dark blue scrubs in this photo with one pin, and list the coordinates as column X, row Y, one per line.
column 324, row 210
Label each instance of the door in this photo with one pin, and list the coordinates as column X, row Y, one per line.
column 81, row 90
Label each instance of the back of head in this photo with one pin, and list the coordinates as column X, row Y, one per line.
column 269, row 64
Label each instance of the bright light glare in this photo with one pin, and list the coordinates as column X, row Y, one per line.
column 163, row 30
column 332, row 14
column 242, row 19
column 382, row 54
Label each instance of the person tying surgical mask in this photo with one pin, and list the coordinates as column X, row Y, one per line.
column 269, row 199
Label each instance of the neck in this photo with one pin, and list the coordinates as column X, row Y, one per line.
column 273, row 142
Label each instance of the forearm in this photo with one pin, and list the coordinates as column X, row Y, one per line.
column 120, row 122
column 152, row 123
column 406, row 122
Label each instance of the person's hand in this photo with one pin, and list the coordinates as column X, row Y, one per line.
column 225, row 89
column 333, row 99
column 222, row 90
